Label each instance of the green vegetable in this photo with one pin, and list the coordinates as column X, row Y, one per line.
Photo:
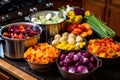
column 99, row 27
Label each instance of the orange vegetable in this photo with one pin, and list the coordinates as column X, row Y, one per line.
column 84, row 34
column 87, row 25
column 41, row 53
column 106, row 47
column 89, row 32
column 77, row 31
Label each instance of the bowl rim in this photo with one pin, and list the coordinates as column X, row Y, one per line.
column 39, row 63
column 52, row 11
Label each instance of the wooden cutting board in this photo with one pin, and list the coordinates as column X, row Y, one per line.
column 16, row 72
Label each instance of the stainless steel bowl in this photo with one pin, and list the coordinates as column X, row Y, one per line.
column 14, row 48
column 49, row 30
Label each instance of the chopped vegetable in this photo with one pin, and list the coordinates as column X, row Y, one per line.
column 41, row 53
column 105, row 48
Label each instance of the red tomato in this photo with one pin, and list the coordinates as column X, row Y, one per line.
column 71, row 27
column 75, row 24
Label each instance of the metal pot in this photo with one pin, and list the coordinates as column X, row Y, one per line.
column 49, row 30
column 14, row 48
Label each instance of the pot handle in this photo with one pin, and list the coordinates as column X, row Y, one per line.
column 99, row 64
column 1, row 39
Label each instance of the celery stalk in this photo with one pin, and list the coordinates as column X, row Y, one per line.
column 99, row 27
column 97, row 30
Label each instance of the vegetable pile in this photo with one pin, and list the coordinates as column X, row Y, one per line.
column 77, row 62
column 105, row 48
column 83, row 29
column 41, row 53
column 68, row 41
column 77, row 16
column 75, row 21
column 20, row 31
